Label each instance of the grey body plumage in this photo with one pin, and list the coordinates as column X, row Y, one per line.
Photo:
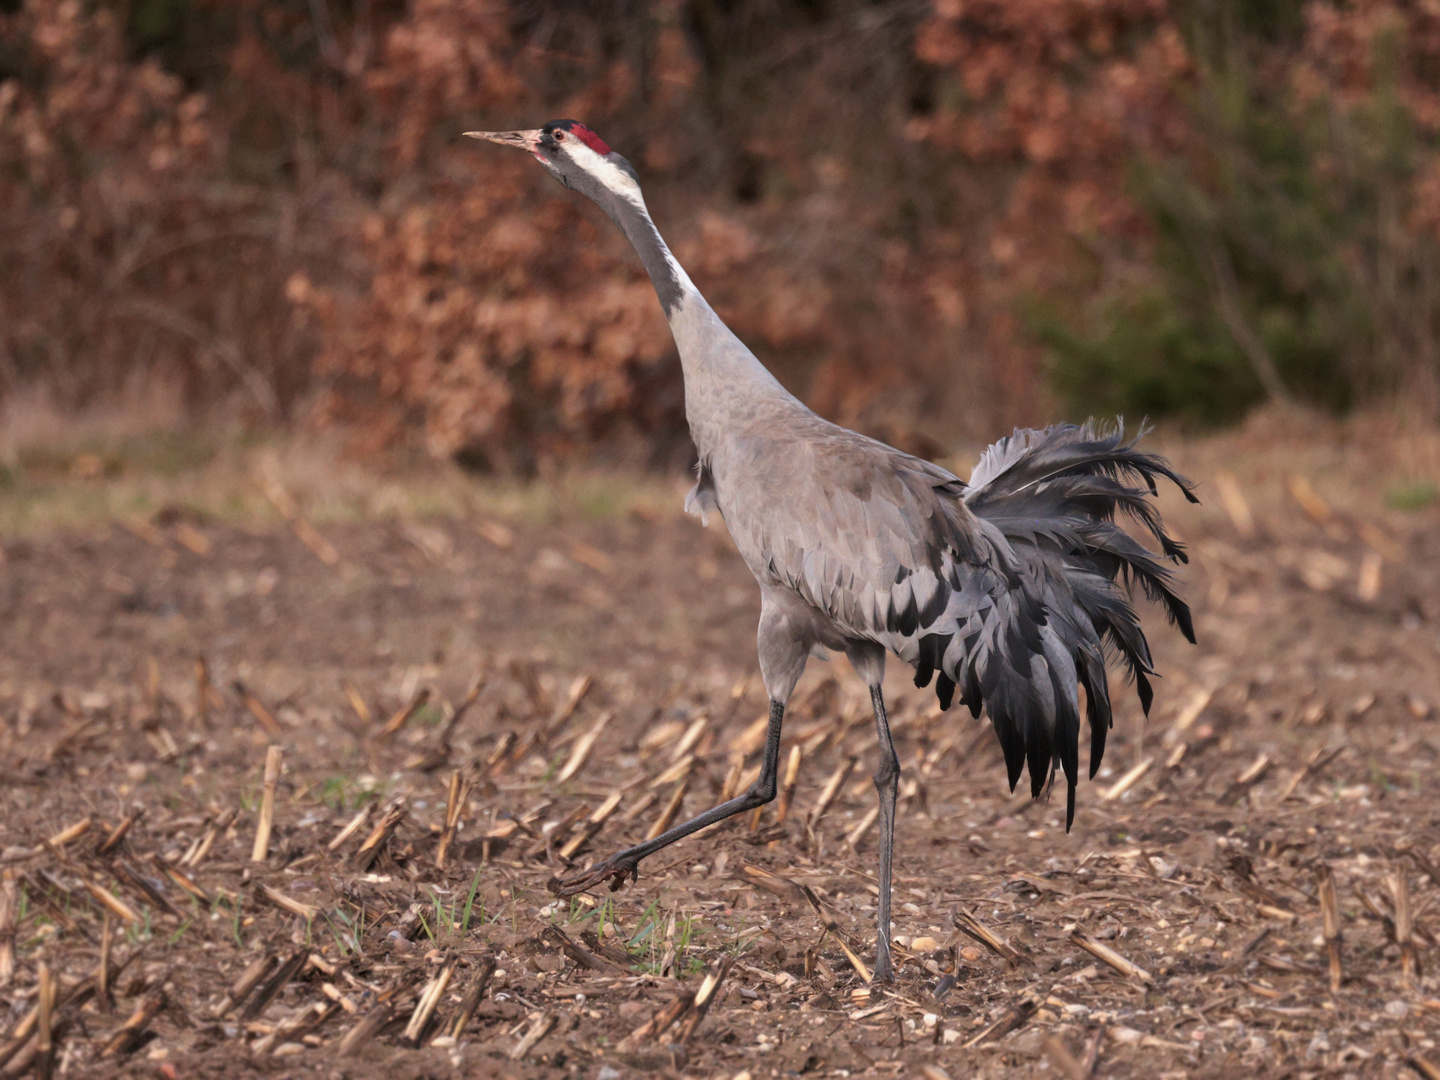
column 1009, row 591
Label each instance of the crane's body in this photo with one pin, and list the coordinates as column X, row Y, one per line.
column 1007, row 590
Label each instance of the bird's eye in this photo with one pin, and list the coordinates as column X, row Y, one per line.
column 559, row 136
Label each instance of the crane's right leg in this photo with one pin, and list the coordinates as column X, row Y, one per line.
column 868, row 660
column 887, row 787
column 626, row 863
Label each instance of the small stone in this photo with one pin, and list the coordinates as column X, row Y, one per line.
column 970, row 954
column 924, row 945
column 608, row 1072
column 1397, row 1009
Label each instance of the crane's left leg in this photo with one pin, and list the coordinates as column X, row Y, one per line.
column 625, row 864
column 887, row 786
column 782, row 654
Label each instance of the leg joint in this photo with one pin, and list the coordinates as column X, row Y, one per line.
column 762, row 791
column 887, row 773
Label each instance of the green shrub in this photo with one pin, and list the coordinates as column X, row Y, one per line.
column 1282, row 261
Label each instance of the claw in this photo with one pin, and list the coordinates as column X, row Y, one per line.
column 616, row 871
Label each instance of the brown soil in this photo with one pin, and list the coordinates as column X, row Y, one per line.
column 1298, row 740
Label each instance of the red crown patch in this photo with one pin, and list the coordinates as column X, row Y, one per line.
column 589, row 138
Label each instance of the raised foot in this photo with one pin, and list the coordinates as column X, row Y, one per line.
column 616, row 868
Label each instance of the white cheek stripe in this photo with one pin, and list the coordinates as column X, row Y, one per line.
column 607, row 172
column 623, row 184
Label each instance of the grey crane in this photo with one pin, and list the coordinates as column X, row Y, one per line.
column 1010, row 590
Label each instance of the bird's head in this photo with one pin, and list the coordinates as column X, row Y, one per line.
column 575, row 156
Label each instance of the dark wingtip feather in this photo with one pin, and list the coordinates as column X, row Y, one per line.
column 1174, row 550
column 1013, row 746
column 1056, row 591
column 1181, row 612
column 944, row 690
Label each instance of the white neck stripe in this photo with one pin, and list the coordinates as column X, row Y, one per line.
column 609, row 174
column 621, row 183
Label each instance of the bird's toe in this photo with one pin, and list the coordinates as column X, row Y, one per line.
column 614, row 869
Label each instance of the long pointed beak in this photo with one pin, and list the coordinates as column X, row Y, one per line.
column 520, row 140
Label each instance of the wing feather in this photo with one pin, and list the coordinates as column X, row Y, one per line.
column 1010, row 592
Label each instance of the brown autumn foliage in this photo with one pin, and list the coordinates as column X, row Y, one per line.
column 487, row 291
column 131, row 252
column 873, row 196
column 1067, row 91
column 513, row 322
column 1291, row 160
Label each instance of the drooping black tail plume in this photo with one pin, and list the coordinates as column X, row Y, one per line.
column 1026, row 647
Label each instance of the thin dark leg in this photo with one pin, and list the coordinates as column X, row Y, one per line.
column 625, row 863
column 887, row 784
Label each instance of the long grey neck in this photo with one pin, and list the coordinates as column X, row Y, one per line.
column 672, row 285
column 725, row 384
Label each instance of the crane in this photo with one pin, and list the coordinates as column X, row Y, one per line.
column 1010, row 590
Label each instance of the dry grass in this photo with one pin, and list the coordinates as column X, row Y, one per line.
column 59, row 472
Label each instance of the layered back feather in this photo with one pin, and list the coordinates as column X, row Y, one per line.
column 1011, row 590
column 1023, row 643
